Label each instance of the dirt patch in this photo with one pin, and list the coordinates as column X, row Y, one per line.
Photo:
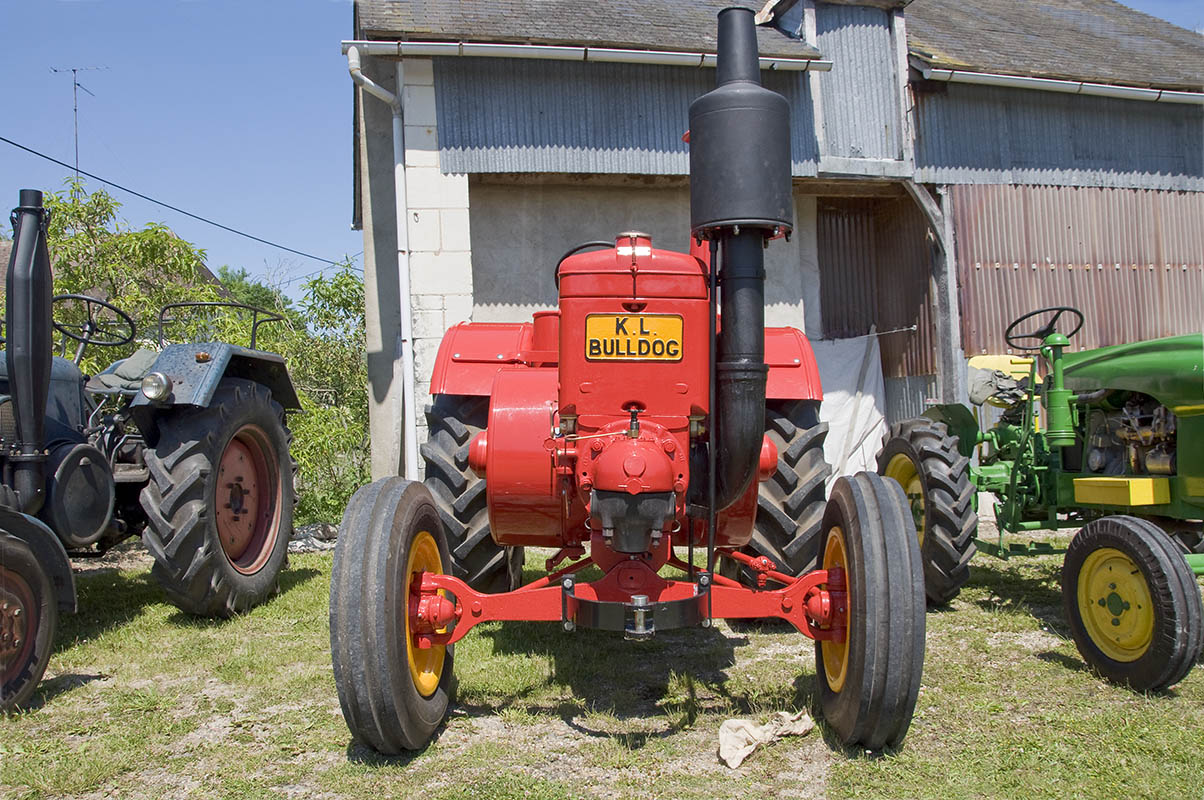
column 124, row 556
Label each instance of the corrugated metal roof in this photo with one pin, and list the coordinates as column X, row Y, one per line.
column 515, row 115
column 860, row 95
column 1132, row 261
column 986, row 134
column 640, row 24
column 1093, row 40
column 1097, row 40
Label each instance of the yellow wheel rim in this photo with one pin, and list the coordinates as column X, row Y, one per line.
column 426, row 666
column 836, row 654
column 903, row 471
column 1115, row 605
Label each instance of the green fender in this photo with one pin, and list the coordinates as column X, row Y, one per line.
column 961, row 423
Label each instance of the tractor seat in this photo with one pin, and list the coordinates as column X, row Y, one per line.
column 999, row 380
column 124, row 376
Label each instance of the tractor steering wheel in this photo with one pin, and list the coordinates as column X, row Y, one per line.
column 120, row 331
column 1013, row 339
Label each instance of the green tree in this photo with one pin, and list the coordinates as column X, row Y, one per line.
column 245, row 289
column 331, row 438
column 93, row 252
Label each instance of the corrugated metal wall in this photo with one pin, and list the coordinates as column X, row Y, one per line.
column 1131, row 260
column 511, row 115
column 985, row 134
column 860, row 96
column 907, row 398
column 875, row 267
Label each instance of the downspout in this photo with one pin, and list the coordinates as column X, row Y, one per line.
column 409, row 422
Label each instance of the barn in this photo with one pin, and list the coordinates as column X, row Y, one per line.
column 955, row 163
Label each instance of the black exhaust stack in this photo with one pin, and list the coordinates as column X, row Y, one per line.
column 739, row 197
column 29, row 345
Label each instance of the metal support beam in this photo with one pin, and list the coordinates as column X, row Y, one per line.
column 951, row 360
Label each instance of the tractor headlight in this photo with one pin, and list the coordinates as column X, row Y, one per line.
column 156, row 386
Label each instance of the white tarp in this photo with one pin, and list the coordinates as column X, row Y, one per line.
column 854, row 402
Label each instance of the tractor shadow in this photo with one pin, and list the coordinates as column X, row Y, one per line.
column 288, row 579
column 1022, row 586
column 109, row 600
column 105, row 601
column 618, row 687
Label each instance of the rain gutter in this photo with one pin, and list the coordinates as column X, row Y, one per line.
column 1055, row 85
column 609, row 55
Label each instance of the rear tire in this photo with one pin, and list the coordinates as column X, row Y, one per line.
column 923, row 458
column 28, row 617
column 388, row 527
column 790, row 504
column 1132, row 602
column 452, row 422
column 869, row 683
column 211, row 560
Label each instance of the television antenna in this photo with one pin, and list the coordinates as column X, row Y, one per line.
column 75, row 87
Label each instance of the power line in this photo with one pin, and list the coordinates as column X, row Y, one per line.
column 296, row 278
column 169, row 206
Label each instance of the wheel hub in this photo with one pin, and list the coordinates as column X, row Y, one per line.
column 1115, row 605
column 426, row 663
column 247, row 499
column 836, row 653
column 903, row 471
column 17, row 620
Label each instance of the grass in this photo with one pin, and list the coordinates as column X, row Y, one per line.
column 143, row 702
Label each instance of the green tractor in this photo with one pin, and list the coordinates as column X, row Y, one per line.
column 1110, row 441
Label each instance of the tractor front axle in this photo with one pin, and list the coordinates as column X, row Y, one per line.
column 632, row 599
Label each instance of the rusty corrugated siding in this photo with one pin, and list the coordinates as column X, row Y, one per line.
column 1131, row 260
column 848, row 266
column 875, row 261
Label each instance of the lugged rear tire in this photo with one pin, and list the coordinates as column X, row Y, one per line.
column 868, row 684
column 922, row 456
column 1132, row 602
column 452, row 421
column 790, row 505
column 184, row 503
column 388, row 526
column 25, row 588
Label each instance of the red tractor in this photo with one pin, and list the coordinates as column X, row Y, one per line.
column 627, row 431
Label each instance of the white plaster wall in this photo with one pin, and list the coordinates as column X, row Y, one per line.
column 438, row 228
column 518, row 232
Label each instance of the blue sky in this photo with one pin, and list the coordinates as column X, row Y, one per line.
column 239, row 111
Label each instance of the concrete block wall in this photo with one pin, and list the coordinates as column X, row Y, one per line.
column 438, row 228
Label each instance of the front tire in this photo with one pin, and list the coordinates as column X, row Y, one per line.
column 1132, row 602
column 219, row 504
column 869, row 681
column 28, row 617
column 394, row 695
column 923, row 458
